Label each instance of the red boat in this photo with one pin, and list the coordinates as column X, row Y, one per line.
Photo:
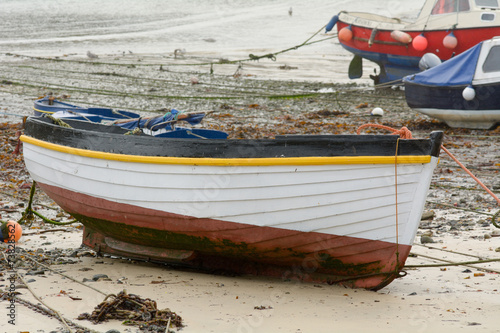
column 443, row 27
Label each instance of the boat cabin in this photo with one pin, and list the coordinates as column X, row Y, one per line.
column 435, row 14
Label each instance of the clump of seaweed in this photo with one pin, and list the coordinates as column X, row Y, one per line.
column 134, row 310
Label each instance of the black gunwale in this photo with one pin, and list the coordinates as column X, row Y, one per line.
column 111, row 139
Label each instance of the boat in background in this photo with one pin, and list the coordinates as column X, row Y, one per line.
column 444, row 27
column 337, row 209
column 49, row 105
column 162, row 125
column 463, row 91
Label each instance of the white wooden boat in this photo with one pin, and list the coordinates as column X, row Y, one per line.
column 333, row 209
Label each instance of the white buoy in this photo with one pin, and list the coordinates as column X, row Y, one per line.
column 469, row 93
column 428, row 60
column 401, row 37
column 450, row 41
column 377, row 112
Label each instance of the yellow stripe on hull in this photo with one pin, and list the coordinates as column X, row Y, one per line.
column 42, row 111
column 265, row 161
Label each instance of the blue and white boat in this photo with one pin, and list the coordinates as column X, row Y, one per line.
column 463, row 91
column 50, row 105
column 162, row 125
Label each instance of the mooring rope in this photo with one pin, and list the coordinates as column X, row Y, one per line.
column 405, row 133
column 251, row 57
column 29, row 211
column 396, row 201
column 57, row 314
column 64, row 275
column 470, row 174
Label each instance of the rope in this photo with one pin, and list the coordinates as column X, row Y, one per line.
column 64, row 275
column 272, row 56
column 405, row 133
column 251, row 57
column 452, row 263
column 29, row 211
column 60, row 318
column 398, row 82
column 493, row 219
column 470, row 174
column 58, row 121
column 396, row 199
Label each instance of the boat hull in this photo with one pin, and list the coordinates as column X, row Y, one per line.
column 344, row 219
column 397, row 59
column 232, row 247
column 447, row 104
column 49, row 106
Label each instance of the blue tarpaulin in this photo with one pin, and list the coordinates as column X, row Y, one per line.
column 166, row 121
column 457, row 71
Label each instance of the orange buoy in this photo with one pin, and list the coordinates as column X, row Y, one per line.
column 420, row 43
column 11, row 231
column 345, row 34
column 401, row 36
column 450, row 41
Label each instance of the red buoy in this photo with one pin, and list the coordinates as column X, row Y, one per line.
column 345, row 34
column 420, row 43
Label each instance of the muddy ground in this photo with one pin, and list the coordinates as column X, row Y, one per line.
column 242, row 103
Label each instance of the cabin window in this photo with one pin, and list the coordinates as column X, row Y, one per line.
column 451, row 6
column 487, row 3
column 492, row 62
column 487, row 17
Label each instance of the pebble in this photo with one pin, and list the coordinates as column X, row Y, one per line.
column 426, row 240
column 99, row 276
column 428, row 215
column 428, row 233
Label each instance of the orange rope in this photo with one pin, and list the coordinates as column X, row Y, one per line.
column 396, row 198
column 405, row 133
column 470, row 174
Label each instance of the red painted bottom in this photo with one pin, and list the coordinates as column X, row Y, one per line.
column 143, row 233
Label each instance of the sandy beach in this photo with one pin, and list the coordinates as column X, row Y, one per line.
column 303, row 91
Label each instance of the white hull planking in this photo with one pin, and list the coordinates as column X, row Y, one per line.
column 473, row 119
column 346, row 200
